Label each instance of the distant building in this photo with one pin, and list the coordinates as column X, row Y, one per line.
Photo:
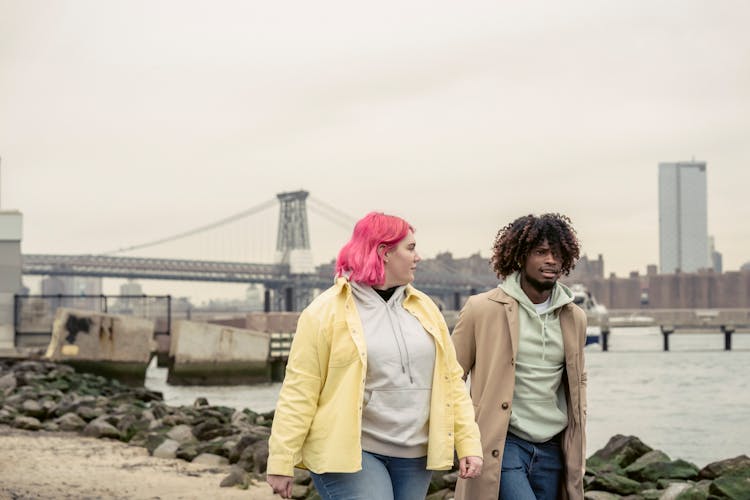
column 683, row 217
column 586, row 269
column 131, row 287
column 716, row 257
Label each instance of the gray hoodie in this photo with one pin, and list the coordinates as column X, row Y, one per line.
column 398, row 384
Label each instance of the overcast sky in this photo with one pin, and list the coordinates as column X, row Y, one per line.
column 122, row 122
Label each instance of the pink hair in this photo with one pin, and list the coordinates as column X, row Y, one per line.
column 360, row 258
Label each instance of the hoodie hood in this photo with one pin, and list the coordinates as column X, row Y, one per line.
column 561, row 295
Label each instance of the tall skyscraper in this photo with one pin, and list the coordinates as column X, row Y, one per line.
column 683, row 219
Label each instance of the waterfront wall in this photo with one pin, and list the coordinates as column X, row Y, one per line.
column 702, row 290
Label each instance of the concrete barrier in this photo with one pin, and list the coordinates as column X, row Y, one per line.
column 272, row 322
column 207, row 354
column 112, row 345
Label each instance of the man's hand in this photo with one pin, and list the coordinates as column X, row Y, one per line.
column 469, row 467
column 282, row 484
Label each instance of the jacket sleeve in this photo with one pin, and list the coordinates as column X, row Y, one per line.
column 298, row 399
column 584, row 380
column 466, row 430
column 464, row 340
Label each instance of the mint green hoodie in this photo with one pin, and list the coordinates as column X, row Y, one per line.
column 539, row 409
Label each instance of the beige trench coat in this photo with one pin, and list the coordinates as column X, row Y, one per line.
column 486, row 341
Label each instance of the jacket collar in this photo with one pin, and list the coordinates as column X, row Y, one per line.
column 498, row 295
column 342, row 285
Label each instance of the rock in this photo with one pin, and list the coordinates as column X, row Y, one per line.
column 182, row 434
column 89, row 413
column 8, row 383
column 50, row 426
column 210, row 460
column 28, row 423
column 600, row 495
column 200, row 402
column 620, row 451
column 250, row 435
column 739, row 465
column 635, row 469
column 7, row 415
column 260, row 456
column 32, row 409
column 734, row 487
column 159, row 410
column 167, row 449
column 99, row 428
column 693, row 493
column 301, row 476
column 673, row 491
column 299, row 491
column 154, row 440
column 212, row 428
column 615, row 483
column 450, row 479
column 188, row 451
column 650, row 494
column 677, row 469
column 237, row 477
column 313, row 495
column 444, row 494
column 71, row 422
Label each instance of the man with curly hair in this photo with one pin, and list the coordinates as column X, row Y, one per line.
column 522, row 345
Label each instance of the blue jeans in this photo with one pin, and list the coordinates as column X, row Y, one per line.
column 381, row 478
column 531, row 471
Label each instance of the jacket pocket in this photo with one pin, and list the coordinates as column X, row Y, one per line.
column 343, row 350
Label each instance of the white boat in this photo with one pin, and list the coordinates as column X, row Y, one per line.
column 596, row 313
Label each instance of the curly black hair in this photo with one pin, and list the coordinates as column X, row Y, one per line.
column 515, row 241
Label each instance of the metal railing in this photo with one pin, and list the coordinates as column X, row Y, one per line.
column 34, row 315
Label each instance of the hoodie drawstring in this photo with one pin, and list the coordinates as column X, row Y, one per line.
column 398, row 344
column 544, row 334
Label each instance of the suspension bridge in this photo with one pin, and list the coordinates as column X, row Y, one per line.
column 288, row 275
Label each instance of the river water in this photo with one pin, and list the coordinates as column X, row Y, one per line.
column 692, row 402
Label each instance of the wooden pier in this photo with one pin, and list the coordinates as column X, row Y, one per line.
column 726, row 322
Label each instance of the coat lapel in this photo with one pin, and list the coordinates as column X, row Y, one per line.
column 570, row 341
column 511, row 316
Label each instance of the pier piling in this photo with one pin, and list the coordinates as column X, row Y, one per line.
column 728, row 330
column 666, row 330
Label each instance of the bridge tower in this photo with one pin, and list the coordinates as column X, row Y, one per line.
column 293, row 249
column 293, row 240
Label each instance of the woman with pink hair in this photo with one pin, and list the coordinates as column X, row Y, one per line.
column 373, row 399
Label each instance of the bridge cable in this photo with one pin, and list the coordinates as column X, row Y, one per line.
column 342, row 217
column 206, row 227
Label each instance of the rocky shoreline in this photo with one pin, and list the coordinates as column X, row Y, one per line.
column 38, row 395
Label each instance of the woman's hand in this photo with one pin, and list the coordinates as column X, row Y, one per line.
column 282, row 484
column 469, row 467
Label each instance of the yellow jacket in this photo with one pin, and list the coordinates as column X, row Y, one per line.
column 318, row 419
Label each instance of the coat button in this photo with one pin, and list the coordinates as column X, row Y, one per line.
column 512, row 361
column 504, row 406
column 495, row 453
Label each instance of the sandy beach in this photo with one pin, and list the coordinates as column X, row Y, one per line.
column 52, row 465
